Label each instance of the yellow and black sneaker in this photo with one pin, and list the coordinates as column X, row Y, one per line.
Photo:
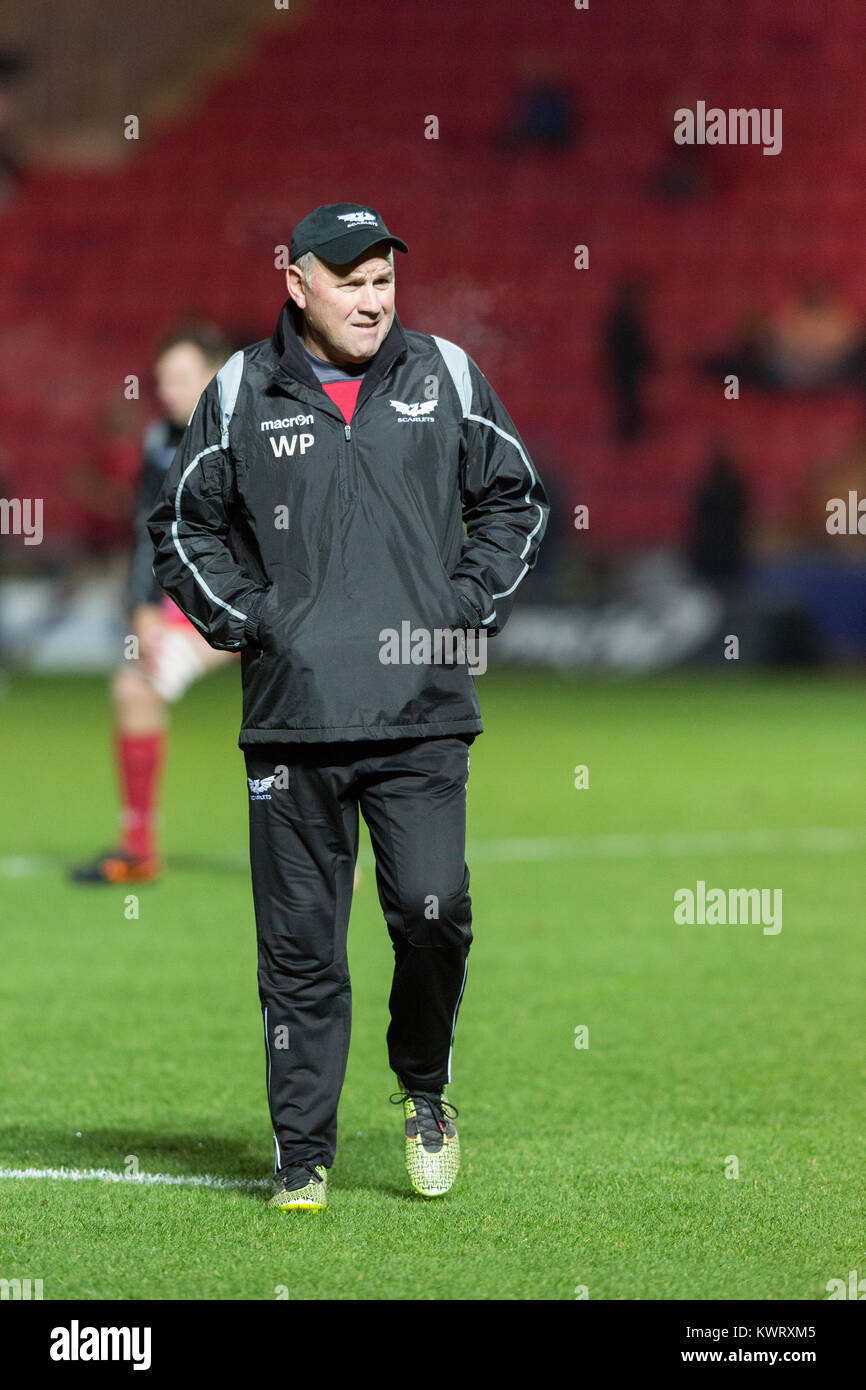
column 294, row 1194
column 432, row 1145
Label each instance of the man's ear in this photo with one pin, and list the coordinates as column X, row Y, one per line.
column 296, row 286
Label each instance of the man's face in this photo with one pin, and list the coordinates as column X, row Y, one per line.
column 181, row 374
column 347, row 309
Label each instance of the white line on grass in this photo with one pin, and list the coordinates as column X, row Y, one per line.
column 817, row 840
column 821, row 839
column 26, row 866
column 145, row 1179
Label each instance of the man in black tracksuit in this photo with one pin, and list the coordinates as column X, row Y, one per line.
column 313, row 519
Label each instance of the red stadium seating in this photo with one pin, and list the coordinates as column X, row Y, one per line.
column 97, row 265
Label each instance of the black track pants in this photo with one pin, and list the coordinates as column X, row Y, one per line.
column 304, row 803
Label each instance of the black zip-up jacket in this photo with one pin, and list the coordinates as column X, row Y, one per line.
column 309, row 544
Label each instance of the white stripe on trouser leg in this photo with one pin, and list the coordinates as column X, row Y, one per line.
column 454, row 1020
column 278, row 1162
column 466, row 962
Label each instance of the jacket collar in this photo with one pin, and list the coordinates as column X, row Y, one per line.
column 292, row 366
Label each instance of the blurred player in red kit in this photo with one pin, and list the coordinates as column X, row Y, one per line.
column 171, row 653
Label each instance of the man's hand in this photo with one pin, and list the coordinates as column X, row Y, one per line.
column 148, row 625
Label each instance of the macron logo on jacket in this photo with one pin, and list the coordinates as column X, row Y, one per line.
column 286, row 424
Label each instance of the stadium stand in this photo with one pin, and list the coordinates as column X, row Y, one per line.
column 98, row 263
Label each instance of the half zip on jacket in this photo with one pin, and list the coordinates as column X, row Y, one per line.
column 349, row 469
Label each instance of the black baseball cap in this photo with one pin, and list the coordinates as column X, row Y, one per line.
column 338, row 232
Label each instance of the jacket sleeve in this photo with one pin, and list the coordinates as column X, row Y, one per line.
column 191, row 531
column 505, row 507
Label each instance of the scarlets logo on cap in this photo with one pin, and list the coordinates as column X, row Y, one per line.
column 358, row 219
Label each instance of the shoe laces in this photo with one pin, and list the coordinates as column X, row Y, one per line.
column 294, row 1184
column 436, row 1107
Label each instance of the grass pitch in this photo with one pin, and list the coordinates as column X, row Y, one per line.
column 134, row 1044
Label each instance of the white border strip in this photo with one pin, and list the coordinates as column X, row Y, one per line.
column 142, row 1179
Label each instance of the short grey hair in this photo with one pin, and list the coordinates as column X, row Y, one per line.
column 306, row 262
